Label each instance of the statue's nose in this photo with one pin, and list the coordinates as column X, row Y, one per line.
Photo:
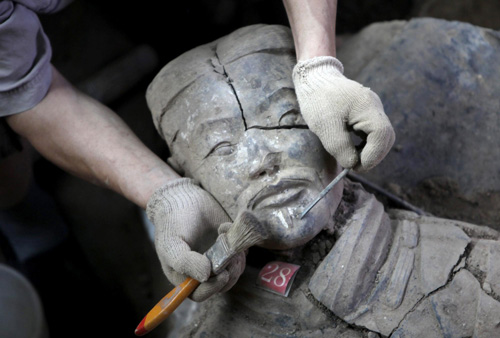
column 268, row 166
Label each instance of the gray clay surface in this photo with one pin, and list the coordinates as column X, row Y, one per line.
column 438, row 82
column 371, row 272
column 421, row 276
column 229, row 114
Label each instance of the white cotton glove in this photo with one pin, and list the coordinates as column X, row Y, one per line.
column 331, row 104
column 187, row 218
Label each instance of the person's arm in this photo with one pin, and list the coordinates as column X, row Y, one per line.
column 90, row 141
column 313, row 27
column 331, row 104
column 87, row 139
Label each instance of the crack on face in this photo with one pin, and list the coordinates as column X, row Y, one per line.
column 175, row 136
column 279, row 127
column 220, row 69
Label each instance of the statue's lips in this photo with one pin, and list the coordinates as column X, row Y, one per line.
column 280, row 194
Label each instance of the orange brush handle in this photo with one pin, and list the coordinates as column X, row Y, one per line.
column 166, row 306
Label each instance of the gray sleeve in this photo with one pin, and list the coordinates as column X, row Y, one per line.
column 25, row 53
column 44, row 6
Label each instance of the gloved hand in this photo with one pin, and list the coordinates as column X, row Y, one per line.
column 187, row 218
column 330, row 103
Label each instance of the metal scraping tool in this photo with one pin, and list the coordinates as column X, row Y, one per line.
column 325, row 191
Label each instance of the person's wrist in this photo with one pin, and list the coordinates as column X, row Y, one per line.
column 310, row 53
column 322, row 45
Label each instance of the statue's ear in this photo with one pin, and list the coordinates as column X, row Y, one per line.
column 172, row 162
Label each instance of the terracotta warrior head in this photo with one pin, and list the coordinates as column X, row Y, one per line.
column 229, row 115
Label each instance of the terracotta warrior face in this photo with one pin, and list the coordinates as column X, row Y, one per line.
column 229, row 114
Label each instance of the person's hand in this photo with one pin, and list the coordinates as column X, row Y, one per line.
column 187, row 220
column 332, row 105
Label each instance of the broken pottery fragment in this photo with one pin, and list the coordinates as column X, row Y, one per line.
column 412, row 325
column 421, row 259
column 483, row 260
column 346, row 276
column 441, row 249
column 473, row 314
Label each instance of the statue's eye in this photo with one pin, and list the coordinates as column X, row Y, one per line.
column 221, row 149
column 291, row 118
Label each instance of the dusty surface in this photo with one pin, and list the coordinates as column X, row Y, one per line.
column 86, row 37
column 228, row 112
column 436, row 80
column 442, row 196
column 482, row 13
column 419, row 288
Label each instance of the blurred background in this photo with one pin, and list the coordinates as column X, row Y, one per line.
column 101, row 275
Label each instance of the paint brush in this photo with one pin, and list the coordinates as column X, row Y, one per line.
column 245, row 232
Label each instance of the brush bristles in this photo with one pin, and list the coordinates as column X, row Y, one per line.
column 245, row 232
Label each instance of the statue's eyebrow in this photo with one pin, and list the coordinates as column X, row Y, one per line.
column 217, row 123
column 280, row 92
column 272, row 51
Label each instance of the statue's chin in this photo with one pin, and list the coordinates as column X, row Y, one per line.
column 287, row 232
